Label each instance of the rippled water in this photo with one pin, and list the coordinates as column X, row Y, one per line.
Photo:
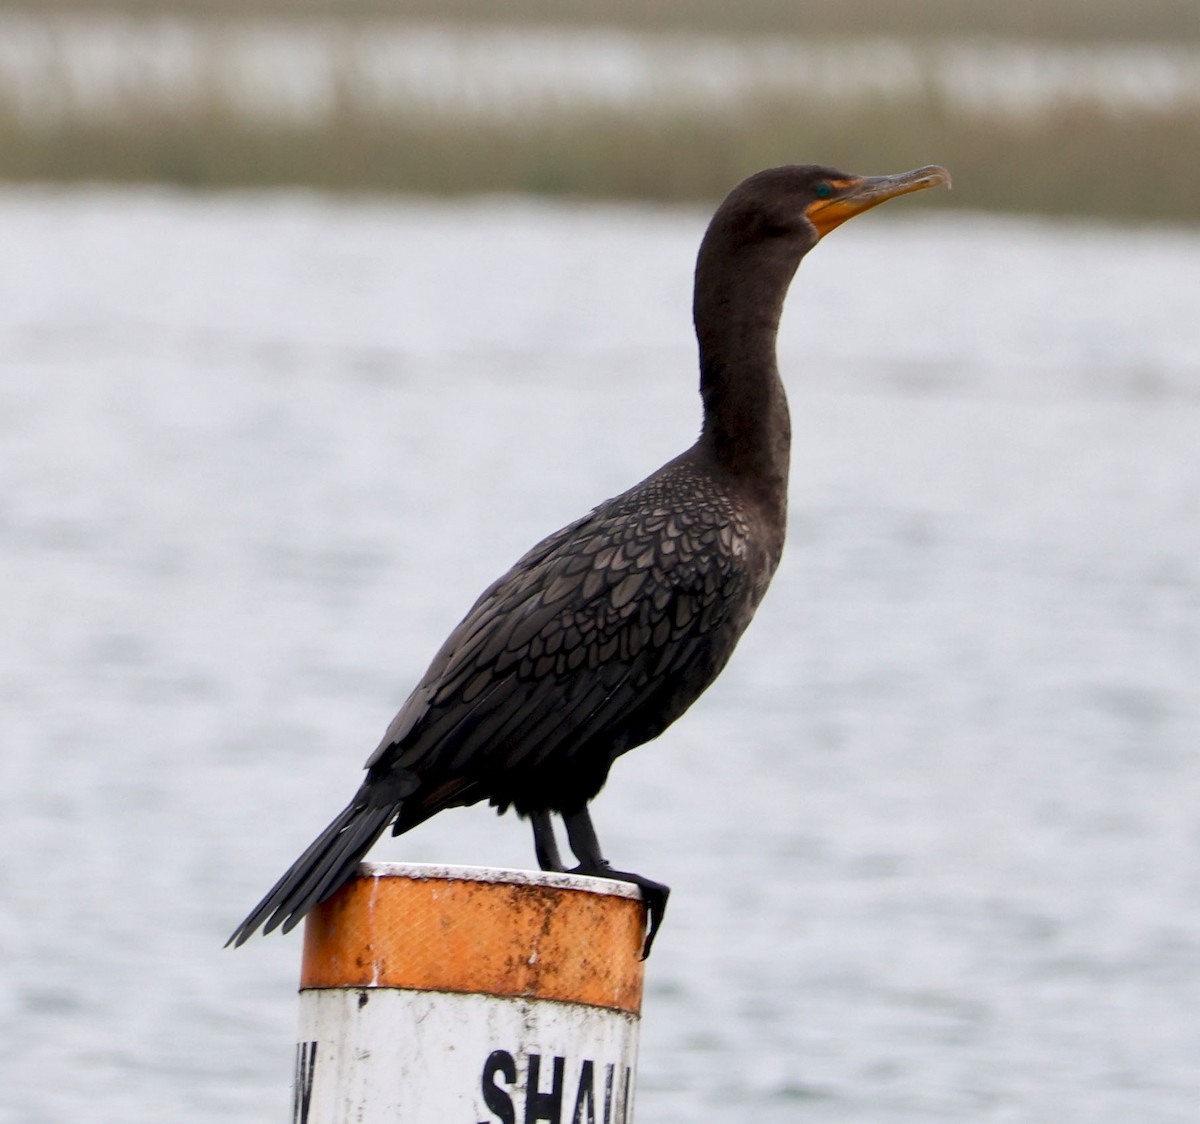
column 933, row 837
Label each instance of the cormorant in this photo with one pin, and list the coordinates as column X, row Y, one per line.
column 608, row 630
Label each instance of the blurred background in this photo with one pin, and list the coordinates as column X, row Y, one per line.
column 314, row 315
column 1073, row 106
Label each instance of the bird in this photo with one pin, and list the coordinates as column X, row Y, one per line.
column 608, row 630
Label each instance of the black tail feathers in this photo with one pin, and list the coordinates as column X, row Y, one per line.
column 317, row 874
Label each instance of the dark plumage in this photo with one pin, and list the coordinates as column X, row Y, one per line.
column 608, row 630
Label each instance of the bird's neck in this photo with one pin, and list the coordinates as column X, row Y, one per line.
column 747, row 432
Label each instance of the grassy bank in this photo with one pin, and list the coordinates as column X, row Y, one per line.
column 1078, row 162
column 197, row 103
column 1078, row 21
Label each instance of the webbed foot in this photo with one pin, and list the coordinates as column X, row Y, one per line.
column 654, row 895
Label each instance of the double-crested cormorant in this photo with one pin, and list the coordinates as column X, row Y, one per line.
column 607, row 631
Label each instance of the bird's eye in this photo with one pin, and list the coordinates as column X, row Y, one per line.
column 823, row 190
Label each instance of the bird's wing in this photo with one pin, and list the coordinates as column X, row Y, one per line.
column 589, row 627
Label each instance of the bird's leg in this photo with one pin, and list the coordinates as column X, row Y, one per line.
column 582, row 837
column 545, row 846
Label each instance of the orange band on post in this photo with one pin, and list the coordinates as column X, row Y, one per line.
column 397, row 926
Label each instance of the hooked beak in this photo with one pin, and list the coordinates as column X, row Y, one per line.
column 860, row 194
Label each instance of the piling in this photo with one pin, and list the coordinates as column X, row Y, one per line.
column 436, row 994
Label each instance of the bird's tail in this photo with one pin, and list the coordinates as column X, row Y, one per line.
column 329, row 861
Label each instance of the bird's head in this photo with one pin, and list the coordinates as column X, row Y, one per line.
column 799, row 204
column 771, row 220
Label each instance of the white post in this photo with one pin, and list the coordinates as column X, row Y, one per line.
column 464, row 995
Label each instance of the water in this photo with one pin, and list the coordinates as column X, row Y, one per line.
column 934, row 835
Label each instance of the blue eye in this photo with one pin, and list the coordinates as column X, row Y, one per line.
column 823, row 190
